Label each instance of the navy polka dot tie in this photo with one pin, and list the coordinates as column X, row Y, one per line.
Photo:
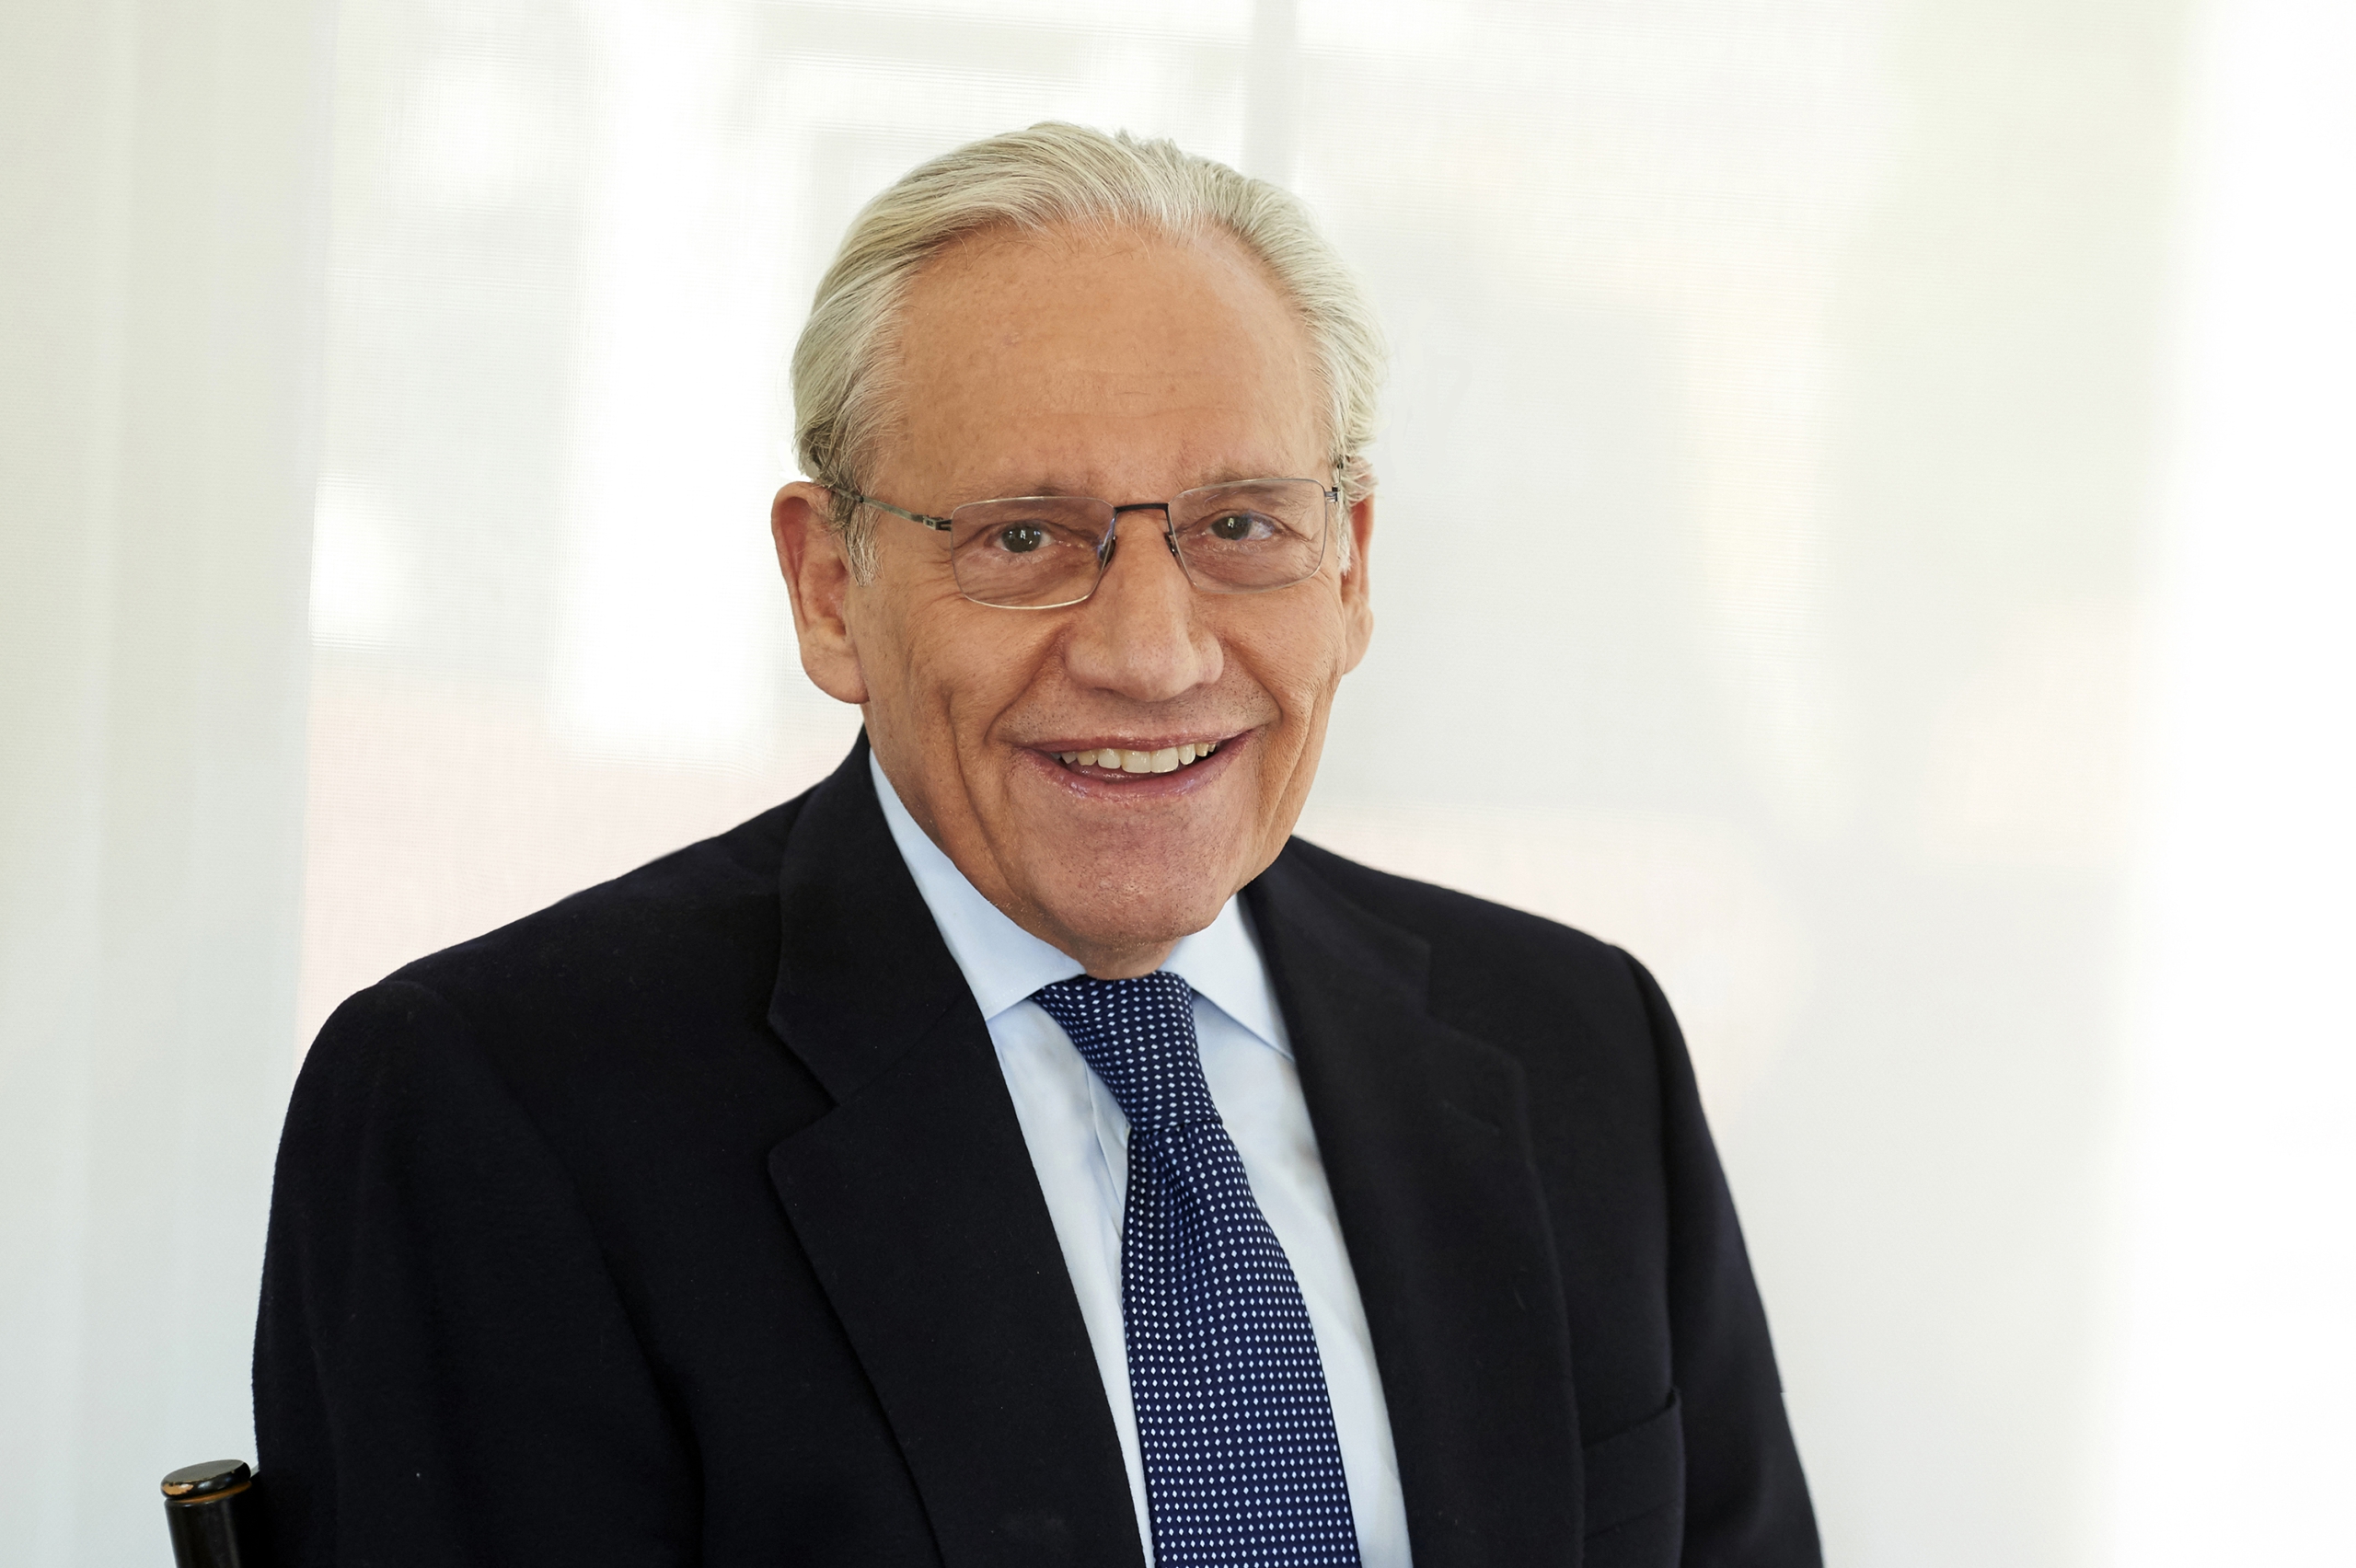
column 1241, row 1462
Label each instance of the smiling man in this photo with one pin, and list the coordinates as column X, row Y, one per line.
column 1019, row 1149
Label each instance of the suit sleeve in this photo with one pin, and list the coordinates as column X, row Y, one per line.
column 1745, row 1501
column 444, row 1372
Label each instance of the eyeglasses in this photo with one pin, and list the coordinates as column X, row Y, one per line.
column 1043, row 552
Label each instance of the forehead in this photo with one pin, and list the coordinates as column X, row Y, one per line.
column 1101, row 356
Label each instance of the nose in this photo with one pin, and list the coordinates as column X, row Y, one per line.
column 1139, row 636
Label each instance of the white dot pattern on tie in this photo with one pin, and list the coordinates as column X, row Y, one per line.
column 1241, row 1466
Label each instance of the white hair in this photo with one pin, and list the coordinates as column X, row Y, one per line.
column 1055, row 176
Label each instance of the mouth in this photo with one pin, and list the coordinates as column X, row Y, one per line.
column 1122, row 763
column 1153, row 769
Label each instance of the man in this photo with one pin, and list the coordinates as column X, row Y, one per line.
column 1017, row 1151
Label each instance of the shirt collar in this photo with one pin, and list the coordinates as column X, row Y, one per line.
column 1003, row 964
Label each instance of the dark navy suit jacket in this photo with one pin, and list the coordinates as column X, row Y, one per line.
column 688, row 1221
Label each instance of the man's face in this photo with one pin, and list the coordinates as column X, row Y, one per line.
column 1131, row 369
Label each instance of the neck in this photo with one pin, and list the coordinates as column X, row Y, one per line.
column 1117, row 963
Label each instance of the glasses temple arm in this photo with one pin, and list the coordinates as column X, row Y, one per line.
column 939, row 525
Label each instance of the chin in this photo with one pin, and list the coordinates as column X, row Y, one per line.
column 1147, row 913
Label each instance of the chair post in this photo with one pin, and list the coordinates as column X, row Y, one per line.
column 205, row 1508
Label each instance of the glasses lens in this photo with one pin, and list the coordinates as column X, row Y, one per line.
column 1027, row 554
column 1260, row 534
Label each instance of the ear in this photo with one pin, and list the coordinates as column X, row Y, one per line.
column 818, row 581
column 1357, row 599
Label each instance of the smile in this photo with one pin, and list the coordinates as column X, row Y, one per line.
column 1167, row 759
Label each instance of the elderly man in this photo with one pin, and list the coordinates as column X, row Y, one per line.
column 1018, row 1150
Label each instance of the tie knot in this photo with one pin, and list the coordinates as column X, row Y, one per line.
column 1139, row 1036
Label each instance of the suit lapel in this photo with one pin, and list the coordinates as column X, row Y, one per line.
column 1424, row 1134
column 918, row 1206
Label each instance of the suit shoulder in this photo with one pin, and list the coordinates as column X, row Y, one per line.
column 706, row 908
column 611, row 1030
column 1490, row 959
column 1444, row 916
column 395, row 1049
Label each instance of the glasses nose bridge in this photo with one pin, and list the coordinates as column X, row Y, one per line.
column 1112, row 530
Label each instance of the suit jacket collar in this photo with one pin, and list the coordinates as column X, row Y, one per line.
column 1424, row 1132
column 861, row 971
column 917, row 1202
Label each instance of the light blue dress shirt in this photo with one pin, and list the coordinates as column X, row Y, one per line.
column 1078, row 1143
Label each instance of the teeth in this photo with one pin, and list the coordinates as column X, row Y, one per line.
column 1168, row 759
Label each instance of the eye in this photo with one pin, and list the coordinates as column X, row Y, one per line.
column 1235, row 528
column 1020, row 538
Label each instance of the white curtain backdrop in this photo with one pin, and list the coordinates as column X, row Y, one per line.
column 1864, row 523
column 163, row 199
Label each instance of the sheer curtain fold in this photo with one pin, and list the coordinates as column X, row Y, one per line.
column 163, row 199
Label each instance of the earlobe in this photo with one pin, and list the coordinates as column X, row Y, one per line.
column 819, row 583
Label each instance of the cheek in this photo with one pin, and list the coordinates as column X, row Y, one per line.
column 1300, row 663
column 968, row 666
column 908, row 670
